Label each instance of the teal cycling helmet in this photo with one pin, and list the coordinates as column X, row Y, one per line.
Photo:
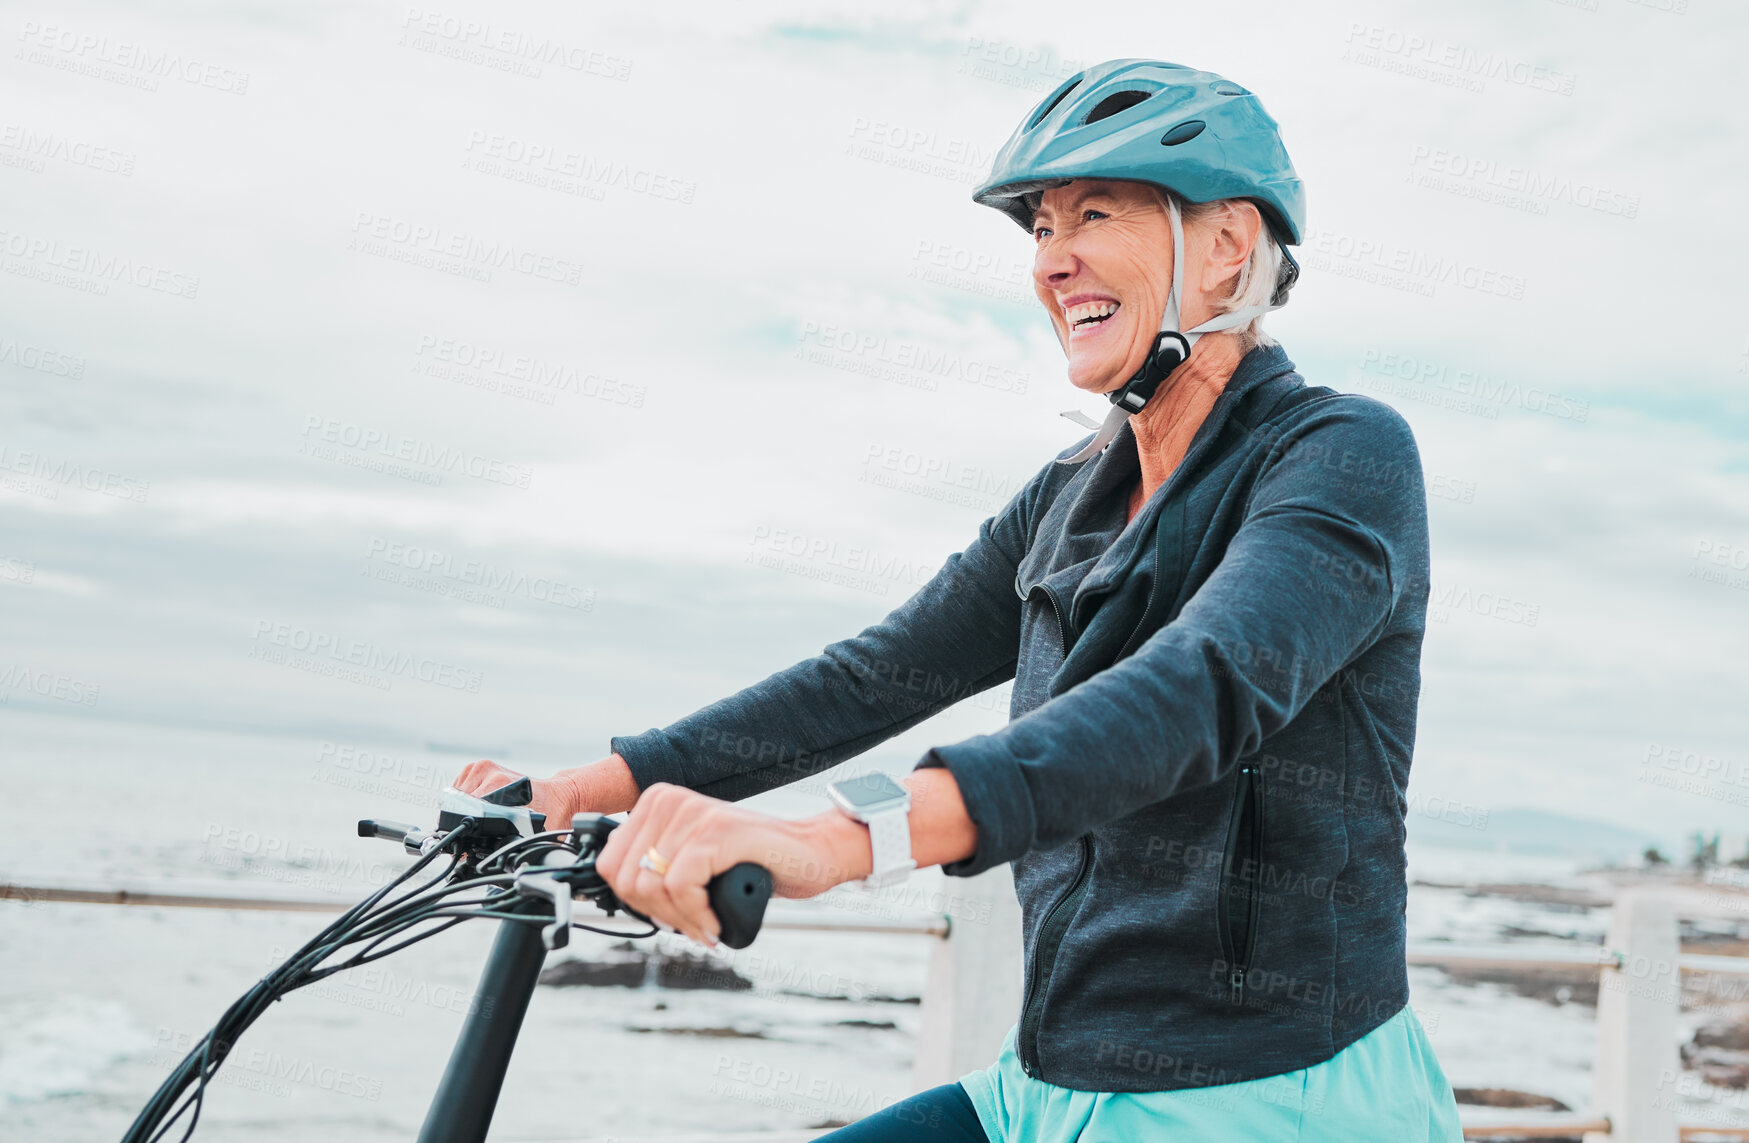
column 1192, row 132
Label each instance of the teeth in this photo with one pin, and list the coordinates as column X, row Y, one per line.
column 1089, row 311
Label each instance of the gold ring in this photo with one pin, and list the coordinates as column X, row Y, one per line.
column 654, row 862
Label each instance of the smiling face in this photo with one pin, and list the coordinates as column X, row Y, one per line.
column 1103, row 268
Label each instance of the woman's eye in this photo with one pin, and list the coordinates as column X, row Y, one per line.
column 1090, row 215
column 1039, row 233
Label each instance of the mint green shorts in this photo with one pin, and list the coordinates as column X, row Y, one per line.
column 1387, row 1085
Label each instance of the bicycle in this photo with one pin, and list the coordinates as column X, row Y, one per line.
column 504, row 865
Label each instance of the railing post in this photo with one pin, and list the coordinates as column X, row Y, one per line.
column 1633, row 1081
column 971, row 996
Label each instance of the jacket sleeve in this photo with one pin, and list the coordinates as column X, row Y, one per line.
column 1331, row 540
column 959, row 634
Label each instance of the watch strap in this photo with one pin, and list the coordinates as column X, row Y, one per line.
column 889, row 837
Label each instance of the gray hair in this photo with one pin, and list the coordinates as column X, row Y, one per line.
column 1256, row 280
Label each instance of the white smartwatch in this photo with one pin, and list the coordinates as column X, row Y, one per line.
column 884, row 807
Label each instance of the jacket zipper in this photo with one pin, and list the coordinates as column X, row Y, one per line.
column 1250, row 790
column 1056, row 921
column 1057, row 610
column 1153, row 591
column 1044, row 956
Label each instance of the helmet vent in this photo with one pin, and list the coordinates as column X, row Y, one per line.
column 1115, row 102
column 1052, row 105
column 1183, row 133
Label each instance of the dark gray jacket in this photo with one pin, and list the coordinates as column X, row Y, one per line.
column 1203, row 784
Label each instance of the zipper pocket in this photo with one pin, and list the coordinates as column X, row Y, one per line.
column 1044, row 956
column 1240, row 900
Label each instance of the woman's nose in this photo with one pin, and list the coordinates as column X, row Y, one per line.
column 1054, row 263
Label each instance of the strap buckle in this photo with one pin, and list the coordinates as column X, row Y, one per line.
column 1171, row 348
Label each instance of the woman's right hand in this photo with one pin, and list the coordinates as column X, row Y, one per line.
column 604, row 787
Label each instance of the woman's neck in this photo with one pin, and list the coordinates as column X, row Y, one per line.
column 1164, row 428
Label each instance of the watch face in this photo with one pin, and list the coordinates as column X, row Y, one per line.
column 869, row 791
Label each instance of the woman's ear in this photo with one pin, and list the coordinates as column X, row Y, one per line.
column 1233, row 234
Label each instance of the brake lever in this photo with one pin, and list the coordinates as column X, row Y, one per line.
column 414, row 840
column 540, row 880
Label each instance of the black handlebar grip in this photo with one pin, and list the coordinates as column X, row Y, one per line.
column 393, row 831
column 738, row 896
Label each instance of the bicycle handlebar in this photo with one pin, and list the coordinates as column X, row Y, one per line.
column 738, row 895
column 531, row 876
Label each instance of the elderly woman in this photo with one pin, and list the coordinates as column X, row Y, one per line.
column 1212, row 612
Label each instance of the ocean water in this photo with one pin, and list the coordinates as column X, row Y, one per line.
column 98, row 1002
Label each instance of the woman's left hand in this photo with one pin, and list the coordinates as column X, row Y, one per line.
column 701, row 836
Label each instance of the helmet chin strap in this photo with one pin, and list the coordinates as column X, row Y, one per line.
column 1171, row 348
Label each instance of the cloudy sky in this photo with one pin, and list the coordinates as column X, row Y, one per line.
column 583, row 363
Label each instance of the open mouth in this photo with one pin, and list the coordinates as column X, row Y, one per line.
column 1089, row 315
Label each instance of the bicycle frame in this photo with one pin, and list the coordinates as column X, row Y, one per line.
column 461, row 1111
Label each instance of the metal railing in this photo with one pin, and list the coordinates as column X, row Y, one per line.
column 973, row 981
